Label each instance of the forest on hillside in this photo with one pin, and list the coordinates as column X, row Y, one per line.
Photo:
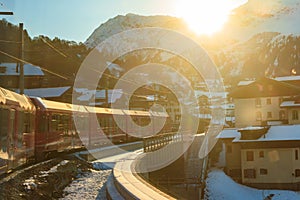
column 56, row 55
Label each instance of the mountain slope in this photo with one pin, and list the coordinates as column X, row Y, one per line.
column 259, row 39
column 121, row 23
column 257, row 16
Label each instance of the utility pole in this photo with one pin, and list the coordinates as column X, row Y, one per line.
column 21, row 53
column 21, row 64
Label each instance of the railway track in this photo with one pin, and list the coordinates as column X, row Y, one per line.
column 49, row 178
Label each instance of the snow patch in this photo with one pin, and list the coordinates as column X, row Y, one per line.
column 53, row 169
column 221, row 187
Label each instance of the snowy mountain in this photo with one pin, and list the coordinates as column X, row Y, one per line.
column 121, row 23
column 260, row 38
column 258, row 16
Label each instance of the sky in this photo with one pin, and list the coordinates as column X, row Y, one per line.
column 77, row 19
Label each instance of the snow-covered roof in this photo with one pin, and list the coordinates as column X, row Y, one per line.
column 45, row 92
column 282, row 78
column 275, row 133
column 278, row 133
column 290, row 104
column 113, row 95
column 229, row 133
column 199, row 93
column 288, row 78
column 265, row 87
column 203, row 116
column 241, row 83
column 9, row 69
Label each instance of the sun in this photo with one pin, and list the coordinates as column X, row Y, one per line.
column 205, row 17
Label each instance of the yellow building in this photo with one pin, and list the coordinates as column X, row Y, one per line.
column 258, row 103
column 264, row 157
column 293, row 110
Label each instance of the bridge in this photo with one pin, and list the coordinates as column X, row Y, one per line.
column 140, row 175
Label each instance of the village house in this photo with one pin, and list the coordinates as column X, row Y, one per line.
column 258, row 103
column 263, row 150
column 10, row 76
column 264, row 157
column 292, row 106
column 35, row 82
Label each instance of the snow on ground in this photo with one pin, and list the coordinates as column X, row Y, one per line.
column 29, row 184
column 88, row 186
column 54, row 169
column 219, row 186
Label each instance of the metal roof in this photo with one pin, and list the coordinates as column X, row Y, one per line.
column 10, row 69
column 265, row 87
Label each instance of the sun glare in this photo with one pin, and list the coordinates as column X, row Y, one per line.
column 205, row 17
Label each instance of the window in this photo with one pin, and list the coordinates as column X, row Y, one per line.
column 263, row 171
column 269, row 101
column 281, row 115
column 296, row 154
column 250, row 156
column 258, row 102
column 249, row 173
column 269, row 114
column 261, row 154
column 297, row 172
column 229, row 148
column 258, row 116
column 295, row 115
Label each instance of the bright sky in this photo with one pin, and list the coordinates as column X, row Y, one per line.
column 77, row 19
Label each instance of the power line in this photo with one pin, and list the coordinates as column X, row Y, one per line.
column 24, row 61
column 9, row 41
column 54, row 48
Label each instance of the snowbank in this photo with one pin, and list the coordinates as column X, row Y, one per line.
column 219, row 186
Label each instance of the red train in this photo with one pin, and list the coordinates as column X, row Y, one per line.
column 30, row 129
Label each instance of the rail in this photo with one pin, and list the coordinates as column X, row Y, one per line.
column 159, row 141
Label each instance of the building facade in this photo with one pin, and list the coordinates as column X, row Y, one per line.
column 263, row 150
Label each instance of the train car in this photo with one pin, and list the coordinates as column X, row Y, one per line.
column 31, row 129
column 103, row 129
column 17, row 115
column 55, row 129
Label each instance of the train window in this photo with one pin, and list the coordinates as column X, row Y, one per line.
column 54, row 123
column 26, row 123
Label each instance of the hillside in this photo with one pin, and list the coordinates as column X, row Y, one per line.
column 55, row 55
column 259, row 39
